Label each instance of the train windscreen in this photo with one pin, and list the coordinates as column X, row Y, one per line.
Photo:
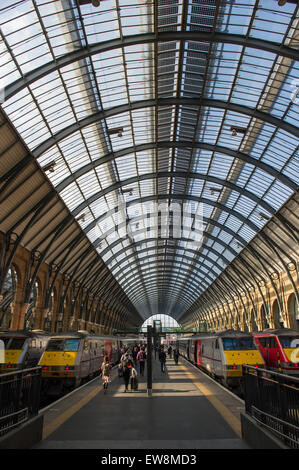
column 63, row 345
column 233, row 344
column 15, row 343
column 289, row 341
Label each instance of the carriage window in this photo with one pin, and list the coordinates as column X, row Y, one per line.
column 16, row 343
column 262, row 342
column 33, row 343
column 289, row 341
column 272, row 343
column 216, row 344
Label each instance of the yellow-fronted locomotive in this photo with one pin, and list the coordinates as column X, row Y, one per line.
column 73, row 357
column 222, row 354
column 22, row 349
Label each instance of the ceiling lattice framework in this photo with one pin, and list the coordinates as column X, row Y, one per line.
column 173, row 102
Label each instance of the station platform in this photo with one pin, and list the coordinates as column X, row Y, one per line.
column 187, row 410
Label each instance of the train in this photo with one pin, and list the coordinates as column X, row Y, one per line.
column 280, row 349
column 22, row 349
column 72, row 358
column 222, row 354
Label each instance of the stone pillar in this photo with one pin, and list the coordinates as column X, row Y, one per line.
column 40, row 314
column 18, row 312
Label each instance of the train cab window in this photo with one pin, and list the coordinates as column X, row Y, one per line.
column 71, row 345
column 85, row 345
column 55, row 345
column 289, row 341
column 230, row 344
column 33, row 343
column 6, row 341
column 246, row 344
column 216, row 344
column 16, row 343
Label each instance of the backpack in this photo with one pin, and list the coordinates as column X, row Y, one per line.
column 106, row 369
column 127, row 364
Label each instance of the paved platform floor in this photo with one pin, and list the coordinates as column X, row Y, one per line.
column 186, row 411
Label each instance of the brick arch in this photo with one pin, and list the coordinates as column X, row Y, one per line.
column 293, row 311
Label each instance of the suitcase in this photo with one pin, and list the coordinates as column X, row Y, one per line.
column 134, row 383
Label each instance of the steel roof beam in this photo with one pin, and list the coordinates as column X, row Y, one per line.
column 163, row 102
column 146, row 38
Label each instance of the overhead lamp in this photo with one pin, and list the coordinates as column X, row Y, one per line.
column 238, row 130
column 95, row 3
column 129, row 190
column 49, row 167
column 213, row 190
column 263, row 216
column 82, row 217
column 116, row 130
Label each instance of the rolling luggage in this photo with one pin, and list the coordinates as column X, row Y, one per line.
column 134, row 383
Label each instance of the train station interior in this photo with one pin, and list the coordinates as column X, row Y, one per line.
column 149, row 198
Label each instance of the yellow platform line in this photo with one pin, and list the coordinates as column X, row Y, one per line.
column 53, row 425
column 229, row 417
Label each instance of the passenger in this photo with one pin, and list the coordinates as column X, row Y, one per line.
column 106, row 371
column 162, row 359
column 176, row 355
column 141, row 357
column 134, row 354
column 127, row 364
column 170, row 350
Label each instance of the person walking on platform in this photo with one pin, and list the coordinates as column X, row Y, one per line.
column 176, row 355
column 170, row 351
column 141, row 356
column 127, row 364
column 106, row 371
column 134, row 354
column 162, row 359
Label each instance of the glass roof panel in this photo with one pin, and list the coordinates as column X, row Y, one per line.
column 162, row 120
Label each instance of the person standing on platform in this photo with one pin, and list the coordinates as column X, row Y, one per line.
column 141, row 356
column 162, row 359
column 170, row 351
column 106, row 371
column 176, row 355
column 127, row 364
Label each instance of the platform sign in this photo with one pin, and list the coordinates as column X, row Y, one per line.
column 2, row 352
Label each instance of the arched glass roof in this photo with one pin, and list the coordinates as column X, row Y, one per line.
column 135, row 105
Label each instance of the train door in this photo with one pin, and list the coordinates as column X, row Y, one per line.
column 198, row 353
column 217, row 358
column 195, row 352
column 108, row 349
